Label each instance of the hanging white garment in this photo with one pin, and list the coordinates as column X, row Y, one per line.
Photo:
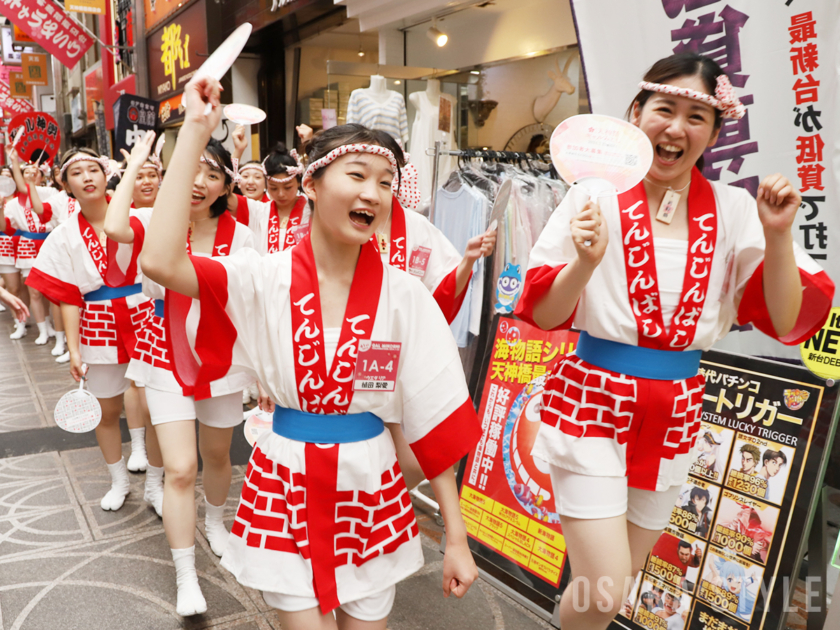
column 424, row 134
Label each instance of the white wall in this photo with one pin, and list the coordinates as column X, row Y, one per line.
column 503, row 30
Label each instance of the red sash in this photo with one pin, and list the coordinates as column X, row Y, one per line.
column 112, row 276
column 640, row 265
column 397, row 247
column 295, row 219
column 193, row 378
column 328, row 392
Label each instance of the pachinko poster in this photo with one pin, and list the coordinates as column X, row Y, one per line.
column 506, row 495
column 729, row 559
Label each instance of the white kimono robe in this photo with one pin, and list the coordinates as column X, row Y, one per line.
column 153, row 362
column 62, row 205
column 20, row 217
column 270, row 234
column 592, row 417
column 421, row 249
column 71, row 264
column 347, row 523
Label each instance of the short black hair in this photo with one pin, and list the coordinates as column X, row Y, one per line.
column 771, row 454
column 684, row 545
column 700, row 493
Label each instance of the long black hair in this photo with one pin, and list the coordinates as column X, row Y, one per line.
column 221, row 156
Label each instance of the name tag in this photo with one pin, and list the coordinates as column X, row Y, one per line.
column 376, row 366
column 418, row 261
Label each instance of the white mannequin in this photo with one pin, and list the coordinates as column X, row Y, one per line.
column 377, row 89
column 425, row 132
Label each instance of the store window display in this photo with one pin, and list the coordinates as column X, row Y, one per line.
column 426, row 130
column 378, row 108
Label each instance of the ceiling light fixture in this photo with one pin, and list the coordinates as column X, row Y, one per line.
column 437, row 36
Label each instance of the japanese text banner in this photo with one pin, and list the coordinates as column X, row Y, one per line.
column 782, row 59
column 54, row 30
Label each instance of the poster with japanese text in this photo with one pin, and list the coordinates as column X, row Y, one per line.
column 729, row 557
column 782, row 58
column 506, row 495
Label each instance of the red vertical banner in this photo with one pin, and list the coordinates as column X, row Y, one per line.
column 506, row 495
column 48, row 25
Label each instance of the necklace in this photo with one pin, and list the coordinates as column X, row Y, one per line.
column 669, row 202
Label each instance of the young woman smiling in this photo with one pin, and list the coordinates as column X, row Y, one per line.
column 672, row 265
column 304, row 322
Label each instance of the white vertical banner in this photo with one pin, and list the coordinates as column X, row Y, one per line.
column 783, row 57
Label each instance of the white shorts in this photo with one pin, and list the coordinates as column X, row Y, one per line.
column 588, row 497
column 8, row 269
column 24, row 273
column 107, row 380
column 371, row 608
column 222, row 412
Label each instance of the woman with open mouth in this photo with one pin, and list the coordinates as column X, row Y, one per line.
column 653, row 277
column 174, row 404
column 101, row 302
column 343, row 344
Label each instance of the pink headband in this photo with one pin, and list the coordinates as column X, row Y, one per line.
column 104, row 162
column 405, row 192
column 291, row 171
column 254, row 165
column 724, row 99
column 233, row 175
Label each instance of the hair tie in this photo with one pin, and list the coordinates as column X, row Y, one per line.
column 291, row 171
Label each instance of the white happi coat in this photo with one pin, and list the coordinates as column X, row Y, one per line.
column 65, row 271
column 439, row 274
column 20, row 217
column 62, row 205
column 257, row 216
column 152, row 362
column 246, row 300
column 585, row 426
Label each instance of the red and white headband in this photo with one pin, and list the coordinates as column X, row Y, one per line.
column 291, row 171
column 403, row 189
column 254, row 165
column 233, row 174
column 724, row 99
column 104, row 162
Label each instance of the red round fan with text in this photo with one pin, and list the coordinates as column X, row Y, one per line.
column 40, row 137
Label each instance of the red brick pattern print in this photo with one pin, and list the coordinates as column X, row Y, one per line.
column 151, row 343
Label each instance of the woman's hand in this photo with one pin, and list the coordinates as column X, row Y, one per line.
column 589, row 225
column 17, row 305
column 140, row 152
column 480, row 246
column 264, row 401
column 240, row 142
column 459, row 570
column 305, row 133
column 77, row 370
column 198, row 93
column 778, row 202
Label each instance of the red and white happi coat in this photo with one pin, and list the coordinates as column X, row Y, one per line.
column 324, row 520
column 159, row 351
column 271, row 233
column 421, row 249
column 601, row 423
column 62, row 206
column 73, row 263
column 20, row 216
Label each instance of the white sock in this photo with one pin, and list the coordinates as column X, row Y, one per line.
column 51, row 331
column 214, row 527
column 190, row 599
column 64, row 358
column 60, row 345
column 137, row 461
column 115, row 497
column 153, row 492
column 43, row 335
column 2, row 307
column 19, row 331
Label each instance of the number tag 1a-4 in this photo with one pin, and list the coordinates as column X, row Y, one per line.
column 376, row 366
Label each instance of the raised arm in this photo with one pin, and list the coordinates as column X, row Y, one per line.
column 117, row 224
column 22, row 186
column 778, row 202
column 558, row 303
column 164, row 258
column 477, row 247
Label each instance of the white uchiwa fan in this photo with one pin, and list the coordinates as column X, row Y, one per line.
column 78, row 411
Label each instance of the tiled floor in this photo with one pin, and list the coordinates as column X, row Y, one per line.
column 65, row 564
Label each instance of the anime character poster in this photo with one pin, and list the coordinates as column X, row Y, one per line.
column 506, row 495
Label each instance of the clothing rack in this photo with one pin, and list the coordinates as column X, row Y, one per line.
column 501, row 156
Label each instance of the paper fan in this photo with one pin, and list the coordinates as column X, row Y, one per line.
column 78, row 411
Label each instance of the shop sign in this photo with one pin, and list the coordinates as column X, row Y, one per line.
column 93, row 91
column 133, row 117
column 158, row 10
column 50, row 27
column 103, row 136
column 86, row 6
column 20, row 37
column 11, row 57
column 175, row 51
column 18, row 87
column 781, row 58
column 34, row 68
column 11, row 105
column 171, row 110
column 506, row 496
